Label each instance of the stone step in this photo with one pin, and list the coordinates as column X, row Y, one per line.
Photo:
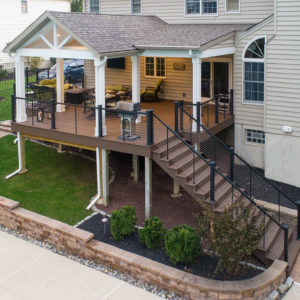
column 5, row 129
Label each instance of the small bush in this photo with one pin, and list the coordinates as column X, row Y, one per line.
column 152, row 235
column 122, row 222
column 182, row 244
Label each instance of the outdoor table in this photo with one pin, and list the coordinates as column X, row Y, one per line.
column 76, row 96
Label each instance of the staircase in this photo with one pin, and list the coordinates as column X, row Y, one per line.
column 5, row 126
column 193, row 171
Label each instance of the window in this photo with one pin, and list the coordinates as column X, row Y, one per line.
column 24, row 6
column 201, row 7
column 136, row 7
column 232, row 5
column 155, row 67
column 192, row 7
column 94, row 6
column 255, row 136
column 210, row 6
column 254, row 72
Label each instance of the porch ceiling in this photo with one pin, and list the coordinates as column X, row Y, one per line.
column 111, row 34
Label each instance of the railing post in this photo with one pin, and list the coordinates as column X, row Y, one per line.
column 212, row 165
column 231, row 101
column 48, row 73
column 217, row 109
column 37, row 74
column 100, row 128
column 26, row 76
column 181, row 115
column 286, row 242
column 198, row 107
column 176, row 116
column 298, row 220
column 53, row 109
column 231, row 149
column 150, row 127
column 13, row 108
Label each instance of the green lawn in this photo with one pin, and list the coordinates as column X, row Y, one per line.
column 56, row 185
column 5, row 106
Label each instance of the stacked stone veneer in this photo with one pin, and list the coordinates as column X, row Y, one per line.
column 81, row 243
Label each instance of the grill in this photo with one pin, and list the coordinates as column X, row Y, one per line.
column 128, row 112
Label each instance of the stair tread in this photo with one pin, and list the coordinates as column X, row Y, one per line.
column 276, row 251
column 163, row 148
column 271, row 233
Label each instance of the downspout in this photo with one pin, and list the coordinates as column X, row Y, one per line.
column 19, row 157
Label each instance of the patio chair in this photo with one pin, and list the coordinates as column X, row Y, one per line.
column 151, row 93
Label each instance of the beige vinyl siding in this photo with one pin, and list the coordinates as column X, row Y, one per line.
column 251, row 11
column 225, row 44
column 246, row 113
column 283, row 86
column 175, row 84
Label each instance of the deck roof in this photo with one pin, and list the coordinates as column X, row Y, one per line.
column 104, row 34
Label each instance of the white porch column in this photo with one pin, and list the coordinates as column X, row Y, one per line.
column 148, row 187
column 60, row 91
column 100, row 92
column 20, row 89
column 136, row 96
column 197, row 87
column 98, row 168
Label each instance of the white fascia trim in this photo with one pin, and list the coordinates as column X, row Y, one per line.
column 217, row 52
column 58, row 53
column 256, row 27
column 171, row 53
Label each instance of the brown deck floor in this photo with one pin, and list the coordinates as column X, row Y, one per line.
column 75, row 120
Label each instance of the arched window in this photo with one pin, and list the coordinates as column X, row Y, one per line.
column 254, row 71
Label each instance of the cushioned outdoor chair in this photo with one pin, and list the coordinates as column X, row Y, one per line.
column 151, row 93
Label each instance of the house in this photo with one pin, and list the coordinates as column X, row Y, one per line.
column 16, row 15
column 216, row 65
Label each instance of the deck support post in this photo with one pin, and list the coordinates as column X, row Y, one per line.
column 148, row 187
column 135, row 168
column 197, row 89
column 105, row 177
column 176, row 190
column 100, row 92
column 60, row 90
column 20, row 89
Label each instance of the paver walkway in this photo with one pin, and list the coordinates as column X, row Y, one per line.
column 29, row 272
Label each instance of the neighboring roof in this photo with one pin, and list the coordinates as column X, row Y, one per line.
column 120, row 33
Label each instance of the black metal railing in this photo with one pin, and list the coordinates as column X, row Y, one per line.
column 184, row 149
column 234, row 167
column 212, row 111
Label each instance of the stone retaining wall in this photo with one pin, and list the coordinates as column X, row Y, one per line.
column 81, row 243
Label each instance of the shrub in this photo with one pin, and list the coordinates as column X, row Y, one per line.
column 122, row 222
column 182, row 244
column 232, row 235
column 152, row 235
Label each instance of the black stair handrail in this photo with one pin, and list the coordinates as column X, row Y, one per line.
column 214, row 169
column 236, row 155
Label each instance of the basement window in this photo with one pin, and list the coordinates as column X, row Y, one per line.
column 255, row 136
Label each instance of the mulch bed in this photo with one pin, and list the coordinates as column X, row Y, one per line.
column 204, row 266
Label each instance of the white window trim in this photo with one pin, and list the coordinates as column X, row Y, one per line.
column 252, row 143
column 186, row 15
column 89, row 3
column 233, row 11
column 158, row 77
column 255, row 103
column 135, row 14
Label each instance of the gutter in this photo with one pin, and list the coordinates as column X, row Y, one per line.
column 150, row 47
